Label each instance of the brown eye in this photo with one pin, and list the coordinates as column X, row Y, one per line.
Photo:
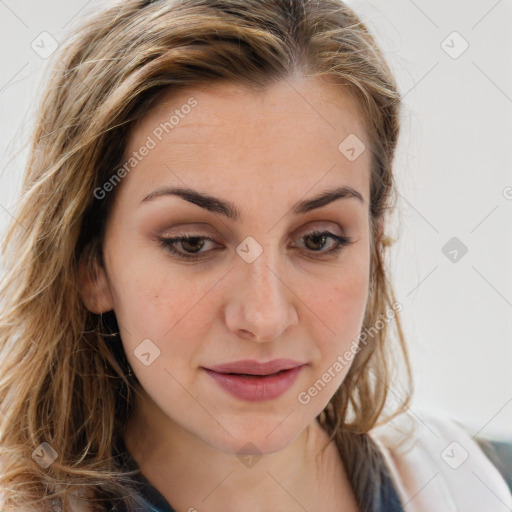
column 191, row 245
column 316, row 241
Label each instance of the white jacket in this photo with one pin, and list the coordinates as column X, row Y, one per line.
column 440, row 468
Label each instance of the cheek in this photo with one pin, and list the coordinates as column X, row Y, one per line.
column 335, row 315
column 162, row 304
column 335, row 304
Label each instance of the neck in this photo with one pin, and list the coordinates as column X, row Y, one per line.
column 191, row 474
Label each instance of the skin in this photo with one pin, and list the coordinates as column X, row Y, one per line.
column 263, row 152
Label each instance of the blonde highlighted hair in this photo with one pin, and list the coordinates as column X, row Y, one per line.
column 63, row 374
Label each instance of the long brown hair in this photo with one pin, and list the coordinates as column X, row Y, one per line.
column 63, row 379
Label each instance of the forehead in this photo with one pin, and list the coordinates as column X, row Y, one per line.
column 228, row 106
column 288, row 134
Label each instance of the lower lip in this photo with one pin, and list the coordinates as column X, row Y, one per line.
column 257, row 388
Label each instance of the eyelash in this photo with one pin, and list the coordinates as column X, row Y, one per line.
column 169, row 243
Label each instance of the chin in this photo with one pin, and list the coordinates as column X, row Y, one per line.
column 261, row 435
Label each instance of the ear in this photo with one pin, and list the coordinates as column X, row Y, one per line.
column 94, row 287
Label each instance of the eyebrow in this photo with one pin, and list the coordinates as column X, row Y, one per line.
column 231, row 211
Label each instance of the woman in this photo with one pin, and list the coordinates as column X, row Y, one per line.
column 197, row 314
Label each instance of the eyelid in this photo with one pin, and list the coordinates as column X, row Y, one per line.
column 184, row 232
column 169, row 243
column 321, row 226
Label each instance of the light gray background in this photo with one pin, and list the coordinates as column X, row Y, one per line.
column 454, row 176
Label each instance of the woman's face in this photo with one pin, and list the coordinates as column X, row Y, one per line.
column 261, row 286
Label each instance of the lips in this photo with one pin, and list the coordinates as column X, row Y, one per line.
column 252, row 367
column 253, row 381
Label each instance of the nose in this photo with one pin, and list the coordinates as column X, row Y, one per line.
column 262, row 305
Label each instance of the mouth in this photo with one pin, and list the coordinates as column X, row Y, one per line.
column 254, row 382
column 256, row 368
column 256, row 376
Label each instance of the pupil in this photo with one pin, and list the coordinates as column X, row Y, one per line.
column 188, row 242
column 317, row 237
